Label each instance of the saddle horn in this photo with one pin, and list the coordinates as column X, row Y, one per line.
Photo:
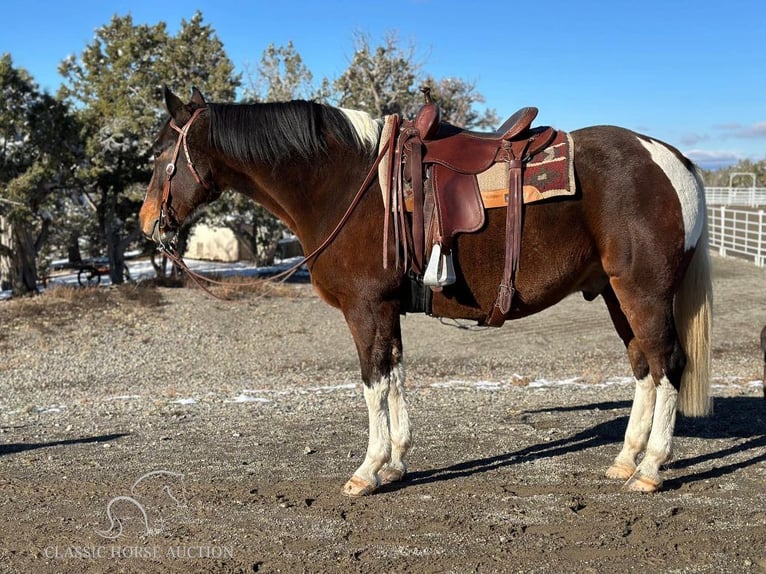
column 429, row 116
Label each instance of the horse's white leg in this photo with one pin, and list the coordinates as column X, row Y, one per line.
column 365, row 479
column 637, row 434
column 660, row 446
column 401, row 433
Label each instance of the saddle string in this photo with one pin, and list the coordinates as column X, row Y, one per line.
column 392, row 157
column 407, row 139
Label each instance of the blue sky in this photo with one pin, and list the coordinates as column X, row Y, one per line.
column 690, row 73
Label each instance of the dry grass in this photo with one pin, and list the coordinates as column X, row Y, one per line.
column 246, row 288
column 58, row 305
column 144, row 294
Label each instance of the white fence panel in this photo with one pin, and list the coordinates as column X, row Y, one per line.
column 738, row 232
column 744, row 196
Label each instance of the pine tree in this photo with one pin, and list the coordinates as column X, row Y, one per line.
column 38, row 146
column 116, row 85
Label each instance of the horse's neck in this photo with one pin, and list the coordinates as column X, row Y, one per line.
column 308, row 197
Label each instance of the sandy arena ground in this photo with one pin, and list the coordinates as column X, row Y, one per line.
column 217, row 436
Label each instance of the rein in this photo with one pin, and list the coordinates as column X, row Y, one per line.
column 281, row 277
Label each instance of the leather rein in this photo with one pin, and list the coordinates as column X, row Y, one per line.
column 166, row 212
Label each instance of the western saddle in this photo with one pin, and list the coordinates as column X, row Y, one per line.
column 440, row 162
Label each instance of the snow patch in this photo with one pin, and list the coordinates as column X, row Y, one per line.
column 518, row 381
column 245, row 398
column 185, row 402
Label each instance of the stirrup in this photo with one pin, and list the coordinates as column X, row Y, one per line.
column 440, row 271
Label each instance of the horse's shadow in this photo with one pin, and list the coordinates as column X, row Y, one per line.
column 17, row 447
column 733, row 417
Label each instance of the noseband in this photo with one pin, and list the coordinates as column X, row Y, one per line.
column 166, row 213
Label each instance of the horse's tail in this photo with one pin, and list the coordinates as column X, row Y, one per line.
column 693, row 314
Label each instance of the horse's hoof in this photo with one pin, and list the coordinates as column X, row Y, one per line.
column 641, row 483
column 389, row 475
column 357, row 487
column 620, row 471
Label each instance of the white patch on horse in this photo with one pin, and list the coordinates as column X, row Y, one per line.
column 660, row 446
column 640, row 421
column 691, row 193
column 401, row 433
column 365, row 126
column 379, row 445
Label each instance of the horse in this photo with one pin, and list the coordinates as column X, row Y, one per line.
column 634, row 233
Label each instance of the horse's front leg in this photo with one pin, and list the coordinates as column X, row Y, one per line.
column 377, row 335
column 365, row 479
column 399, row 423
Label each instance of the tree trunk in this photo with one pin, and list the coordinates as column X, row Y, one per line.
column 24, row 268
column 73, row 249
column 6, row 254
column 115, row 248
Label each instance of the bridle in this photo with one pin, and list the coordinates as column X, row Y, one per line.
column 166, row 210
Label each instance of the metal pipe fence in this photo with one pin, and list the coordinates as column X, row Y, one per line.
column 743, row 196
column 737, row 221
column 738, row 232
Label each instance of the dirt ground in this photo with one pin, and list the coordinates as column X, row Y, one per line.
column 158, row 430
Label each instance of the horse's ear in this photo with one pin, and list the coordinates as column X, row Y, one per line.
column 197, row 97
column 176, row 108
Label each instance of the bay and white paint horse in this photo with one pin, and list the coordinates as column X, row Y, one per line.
column 634, row 233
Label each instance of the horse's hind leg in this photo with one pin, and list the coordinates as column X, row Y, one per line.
column 377, row 336
column 640, row 421
column 650, row 314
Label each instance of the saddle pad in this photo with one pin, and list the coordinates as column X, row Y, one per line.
column 549, row 174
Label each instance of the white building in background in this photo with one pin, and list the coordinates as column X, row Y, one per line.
column 211, row 243
column 214, row 244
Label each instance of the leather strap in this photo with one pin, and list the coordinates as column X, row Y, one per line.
column 418, row 226
column 392, row 157
column 170, row 168
column 513, row 222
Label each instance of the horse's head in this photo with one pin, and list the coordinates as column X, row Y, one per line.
column 182, row 178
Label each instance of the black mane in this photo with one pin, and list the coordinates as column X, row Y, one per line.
column 276, row 132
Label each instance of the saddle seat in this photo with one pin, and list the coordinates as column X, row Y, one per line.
column 513, row 127
column 471, row 152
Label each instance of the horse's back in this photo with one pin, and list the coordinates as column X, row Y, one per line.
column 635, row 195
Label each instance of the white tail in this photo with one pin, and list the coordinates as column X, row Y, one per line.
column 693, row 314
